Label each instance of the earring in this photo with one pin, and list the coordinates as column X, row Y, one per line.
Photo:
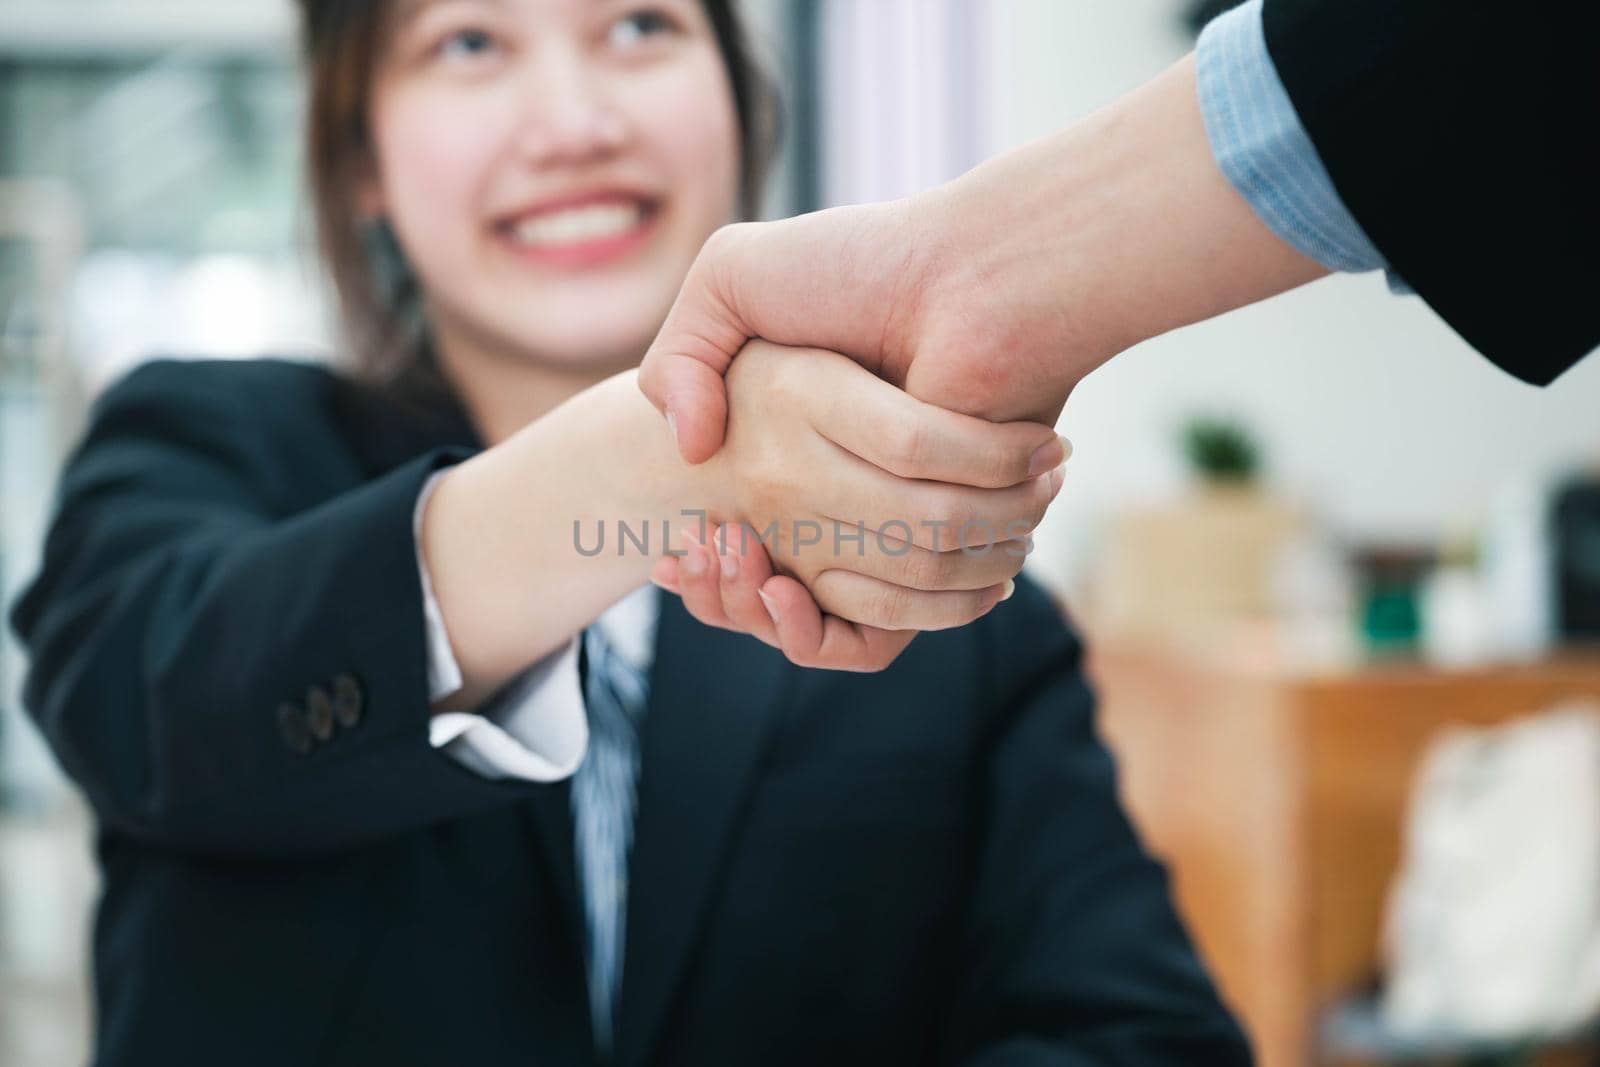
column 391, row 274
column 394, row 284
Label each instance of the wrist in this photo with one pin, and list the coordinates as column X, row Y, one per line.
column 647, row 480
column 1163, row 239
column 1031, row 228
column 1058, row 255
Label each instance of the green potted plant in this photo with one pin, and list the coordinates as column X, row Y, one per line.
column 1221, row 451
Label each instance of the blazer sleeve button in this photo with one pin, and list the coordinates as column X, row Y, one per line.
column 293, row 728
column 347, row 700
column 319, row 713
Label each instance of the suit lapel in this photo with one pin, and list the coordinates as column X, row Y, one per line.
column 547, row 816
column 714, row 696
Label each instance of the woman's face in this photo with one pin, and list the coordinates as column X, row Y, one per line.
column 551, row 167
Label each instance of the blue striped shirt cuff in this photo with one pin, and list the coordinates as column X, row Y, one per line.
column 1264, row 151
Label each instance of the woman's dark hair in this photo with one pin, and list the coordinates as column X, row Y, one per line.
column 379, row 300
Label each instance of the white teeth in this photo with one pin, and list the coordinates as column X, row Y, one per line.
column 588, row 223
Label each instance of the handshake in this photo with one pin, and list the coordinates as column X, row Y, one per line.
column 880, row 381
column 886, row 514
column 934, row 342
column 927, row 384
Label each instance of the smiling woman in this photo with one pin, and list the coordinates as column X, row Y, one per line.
column 352, row 45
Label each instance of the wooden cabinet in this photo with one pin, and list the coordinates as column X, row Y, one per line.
column 1277, row 797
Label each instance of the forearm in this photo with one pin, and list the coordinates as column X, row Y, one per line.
column 1117, row 229
column 263, row 657
column 510, row 536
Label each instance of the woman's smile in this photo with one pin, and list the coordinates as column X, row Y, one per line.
column 587, row 229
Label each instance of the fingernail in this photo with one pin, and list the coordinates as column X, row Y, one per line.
column 730, row 566
column 695, row 562
column 1048, row 456
column 1057, row 477
column 1011, row 587
column 1066, row 447
column 772, row 609
column 672, row 425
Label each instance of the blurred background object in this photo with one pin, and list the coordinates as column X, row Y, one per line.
column 1493, row 928
column 1382, row 539
column 1577, row 550
column 45, row 879
column 1172, row 571
column 148, row 178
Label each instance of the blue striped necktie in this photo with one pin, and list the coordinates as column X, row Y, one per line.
column 604, row 799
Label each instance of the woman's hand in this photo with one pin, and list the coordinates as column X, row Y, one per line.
column 893, row 514
column 729, row 583
column 814, row 438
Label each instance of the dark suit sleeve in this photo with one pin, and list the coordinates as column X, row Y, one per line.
column 176, row 610
column 1075, row 956
column 1461, row 134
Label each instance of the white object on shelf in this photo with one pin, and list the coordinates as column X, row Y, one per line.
column 1517, row 571
column 1493, row 928
column 1458, row 626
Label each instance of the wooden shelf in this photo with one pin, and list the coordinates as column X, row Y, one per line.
column 1278, row 797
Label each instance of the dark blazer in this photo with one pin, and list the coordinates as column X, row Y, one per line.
column 1462, row 135
column 927, row 865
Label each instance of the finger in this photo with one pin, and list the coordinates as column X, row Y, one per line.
column 961, row 517
column 694, row 399
column 900, row 562
column 724, row 589
column 872, row 602
column 811, row 639
column 682, row 372
column 905, row 436
column 665, row 573
column 932, row 515
column 742, row 581
column 698, row 581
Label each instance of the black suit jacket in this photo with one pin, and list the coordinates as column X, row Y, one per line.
column 926, row 865
column 1464, row 136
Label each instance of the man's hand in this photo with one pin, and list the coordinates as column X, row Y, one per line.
column 886, row 285
column 995, row 294
column 847, row 280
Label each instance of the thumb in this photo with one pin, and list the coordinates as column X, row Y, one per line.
column 682, row 371
column 692, row 396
